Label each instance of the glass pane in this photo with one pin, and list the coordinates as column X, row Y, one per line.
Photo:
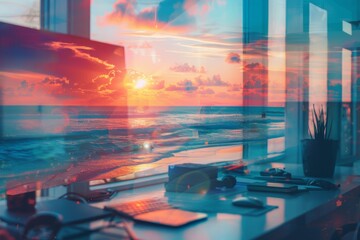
column 190, row 58
column 21, row 12
column 199, row 81
column 318, row 53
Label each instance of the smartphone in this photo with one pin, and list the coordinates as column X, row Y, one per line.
column 273, row 187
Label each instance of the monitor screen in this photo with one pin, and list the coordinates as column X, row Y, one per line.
column 63, row 108
column 69, row 114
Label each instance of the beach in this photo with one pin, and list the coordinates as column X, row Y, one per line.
column 122, row 143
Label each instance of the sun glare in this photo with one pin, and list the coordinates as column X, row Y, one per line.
column 140, row 83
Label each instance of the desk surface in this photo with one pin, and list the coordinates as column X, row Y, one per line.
column 293, row 212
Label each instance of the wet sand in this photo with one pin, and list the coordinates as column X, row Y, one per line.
column 109, row 168
column 202, row 155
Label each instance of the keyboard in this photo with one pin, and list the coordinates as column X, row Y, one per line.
column 134, row 208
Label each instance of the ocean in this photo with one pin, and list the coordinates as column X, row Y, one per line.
column 46, row 139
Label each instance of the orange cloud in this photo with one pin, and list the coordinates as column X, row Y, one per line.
column 255, row 75
column 105, row 82
column 42, row 89
column 207, row 91
column 255, row 90
column 156, row 85
column 186, row 68
column 78, row 51
column 214, row 81
column 233, row 58
column 183, row 86
column 235, row 88
column 168, row 14
column 196, row 7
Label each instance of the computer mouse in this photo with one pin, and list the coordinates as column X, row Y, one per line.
column 251, row 202
column 324, row 184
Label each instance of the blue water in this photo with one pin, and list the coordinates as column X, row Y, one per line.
column 39, row 138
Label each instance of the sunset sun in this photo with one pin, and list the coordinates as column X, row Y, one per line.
column 140, row 83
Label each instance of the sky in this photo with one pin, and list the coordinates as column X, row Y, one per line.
column 194, row 52
column 43, row 68
column 188, row 51
column 21, row 12
column 182, row 52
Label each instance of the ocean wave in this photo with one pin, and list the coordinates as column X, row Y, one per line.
column 87, row 129
column 43, row 142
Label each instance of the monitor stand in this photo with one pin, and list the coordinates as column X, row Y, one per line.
column 78, row 190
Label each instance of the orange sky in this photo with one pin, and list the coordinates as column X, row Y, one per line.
column 177, row 53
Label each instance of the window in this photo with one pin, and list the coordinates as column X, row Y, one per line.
column 199, row 56
column 21, row 12
column 203, row 81
column 280, row 63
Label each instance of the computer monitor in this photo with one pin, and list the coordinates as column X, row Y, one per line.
column 63, row 109
column 70, row 114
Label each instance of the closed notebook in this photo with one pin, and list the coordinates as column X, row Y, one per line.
column 273, row 187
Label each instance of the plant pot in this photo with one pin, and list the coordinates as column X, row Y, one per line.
column 319, row 157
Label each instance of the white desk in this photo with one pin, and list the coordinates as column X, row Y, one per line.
column 293, row 212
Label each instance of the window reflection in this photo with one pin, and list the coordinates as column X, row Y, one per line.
column 318, row 56
column 276, row 52
column 346, row 75
column 222, row 73
column 20, row 12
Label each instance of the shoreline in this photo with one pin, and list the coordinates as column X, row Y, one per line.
column 108, row 168
column 204, row 155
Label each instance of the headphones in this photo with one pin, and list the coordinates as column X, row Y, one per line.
column 43, row 225
column 227, row 181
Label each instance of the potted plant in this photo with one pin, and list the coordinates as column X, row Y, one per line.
column 319, row 153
